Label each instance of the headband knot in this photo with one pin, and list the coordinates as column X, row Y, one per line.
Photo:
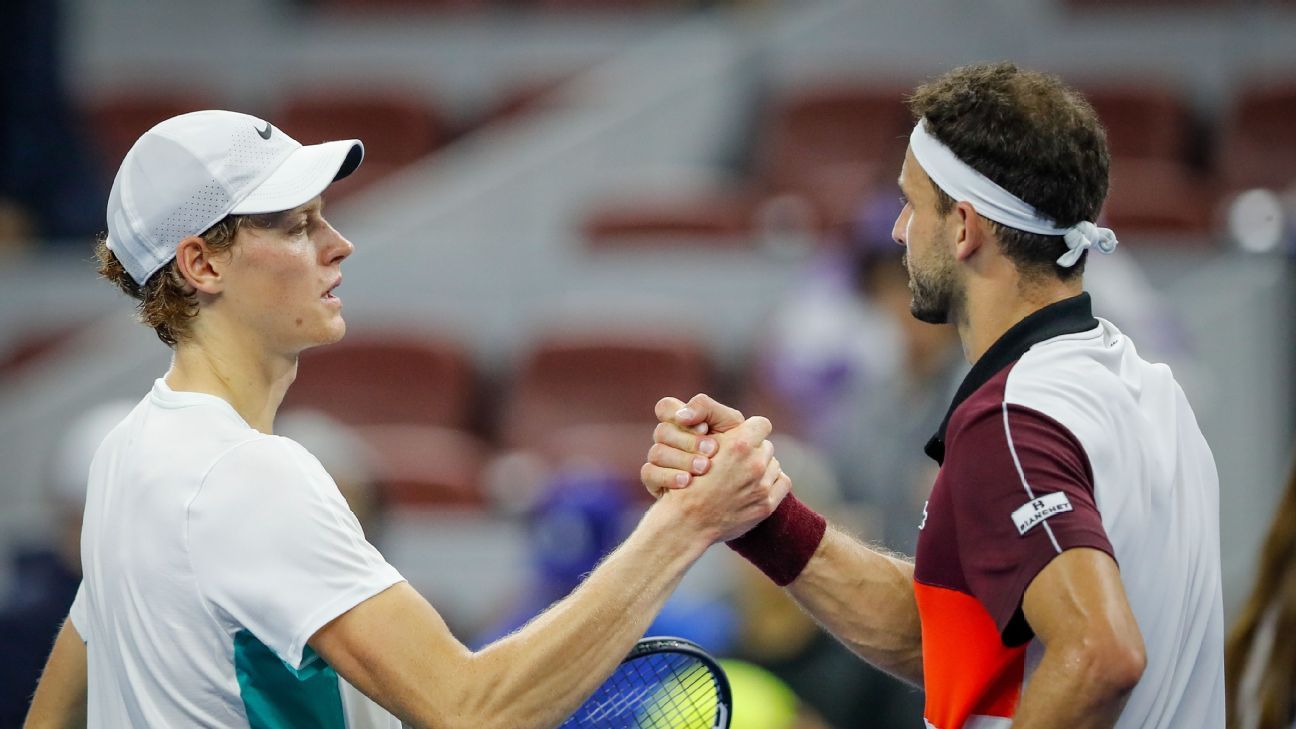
column 1081, row 237
column 963, row 183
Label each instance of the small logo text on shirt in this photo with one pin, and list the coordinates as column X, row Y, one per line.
column 1037, row 510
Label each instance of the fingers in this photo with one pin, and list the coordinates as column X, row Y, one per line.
column 772, row 473
column 668, row 408
column 664, row 456
column 718, row 416
column 701, row 415
column 782, row 487
column 670, row 435
column 659, row 480
column 754, row 430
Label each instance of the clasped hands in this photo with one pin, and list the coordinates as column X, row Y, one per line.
column 718, row 466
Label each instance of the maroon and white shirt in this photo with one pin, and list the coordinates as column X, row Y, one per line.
column 1062, row 437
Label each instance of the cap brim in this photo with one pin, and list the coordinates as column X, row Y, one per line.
column 303, row 175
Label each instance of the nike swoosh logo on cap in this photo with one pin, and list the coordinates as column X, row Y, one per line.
column 265, row 133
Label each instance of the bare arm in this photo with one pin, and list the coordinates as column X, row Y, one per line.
column 865, row 598
column 862, row 596
column 1093, row 650
column 60, row 699
column 395, row 647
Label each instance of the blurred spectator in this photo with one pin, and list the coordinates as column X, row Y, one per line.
column 46, row 576
column 47, row 187
column 346, row 458
column 863, row 378
column 1260, row 659
column 873, row 446
column 580, row 518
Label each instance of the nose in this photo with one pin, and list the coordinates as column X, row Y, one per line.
column 337, row 246
column 900, row 228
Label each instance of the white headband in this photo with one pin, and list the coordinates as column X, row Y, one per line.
column 963, row 183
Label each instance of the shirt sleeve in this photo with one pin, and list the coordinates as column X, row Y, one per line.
column 275, row 548
column 1022, row 491
column 78, row 614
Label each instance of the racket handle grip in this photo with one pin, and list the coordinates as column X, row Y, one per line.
column 783, row 544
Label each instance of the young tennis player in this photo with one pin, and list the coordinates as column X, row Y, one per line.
column 226, row 582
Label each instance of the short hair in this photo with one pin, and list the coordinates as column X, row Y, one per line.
column 1034, row 137
column 166, row 302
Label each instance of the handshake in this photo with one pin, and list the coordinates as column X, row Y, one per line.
column 713, row 467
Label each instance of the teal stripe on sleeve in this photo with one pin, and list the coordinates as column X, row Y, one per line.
column 278, row 696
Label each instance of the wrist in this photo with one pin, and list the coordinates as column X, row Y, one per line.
column 667, row 523
column 782, row 545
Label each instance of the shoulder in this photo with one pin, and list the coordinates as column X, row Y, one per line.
column 267, row 465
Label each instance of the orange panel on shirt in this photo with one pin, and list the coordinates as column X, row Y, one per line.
column 966, row 668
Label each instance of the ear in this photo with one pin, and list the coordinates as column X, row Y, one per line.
column 971, row 231
column 200, row 266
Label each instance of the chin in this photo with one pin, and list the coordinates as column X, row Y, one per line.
column 335, row 332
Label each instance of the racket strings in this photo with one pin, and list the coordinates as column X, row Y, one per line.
column 655, row 691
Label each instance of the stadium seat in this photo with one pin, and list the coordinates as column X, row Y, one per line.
column 375, row 378
column 1258, row 144
column 1159, row 198
column 599, row 379
column 1161, row 5
column 403, row 7
column 715, row 220
column 397, row 128
column 620, row 449
column 39, row 344
column 831, row 142
column 422, row 466
column 116, row 120
column 1143, row 120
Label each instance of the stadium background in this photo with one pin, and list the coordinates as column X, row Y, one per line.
column 569, row 207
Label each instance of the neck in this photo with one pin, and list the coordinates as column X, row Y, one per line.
column 993, row 305
column 239, row 372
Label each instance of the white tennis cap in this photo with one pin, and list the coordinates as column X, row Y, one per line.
column 189, row 172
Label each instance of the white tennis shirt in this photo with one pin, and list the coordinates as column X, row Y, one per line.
column 212, row 552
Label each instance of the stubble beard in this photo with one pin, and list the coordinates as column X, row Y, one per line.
column 935, row 293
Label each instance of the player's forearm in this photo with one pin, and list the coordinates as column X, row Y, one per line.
column 540, row 674
column 1076, row 686
column 865, row 599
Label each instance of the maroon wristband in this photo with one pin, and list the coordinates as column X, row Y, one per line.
column 782, row 544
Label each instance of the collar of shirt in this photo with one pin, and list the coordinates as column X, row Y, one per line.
column 1068, row 316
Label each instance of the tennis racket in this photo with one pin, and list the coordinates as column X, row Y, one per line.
column 665, row 683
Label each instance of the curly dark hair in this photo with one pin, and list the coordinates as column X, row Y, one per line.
column 1031, row 134
column 166, row 301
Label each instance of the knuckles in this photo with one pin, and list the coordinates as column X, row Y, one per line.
column 657, row 454
column 661, row 431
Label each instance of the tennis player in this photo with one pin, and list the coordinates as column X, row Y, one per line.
column 1067, row 571
column 226, row 582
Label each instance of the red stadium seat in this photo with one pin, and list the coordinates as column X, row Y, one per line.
column 422, row 466
column 620, row 449
column 402, row 7
column 396, row 128
column 1158, row 197
column 716, row 220
column 1143, row 120
column 386, row 379
column 831, row 143
column 593, row 379
column 1258, row 146
column 1158, row 4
